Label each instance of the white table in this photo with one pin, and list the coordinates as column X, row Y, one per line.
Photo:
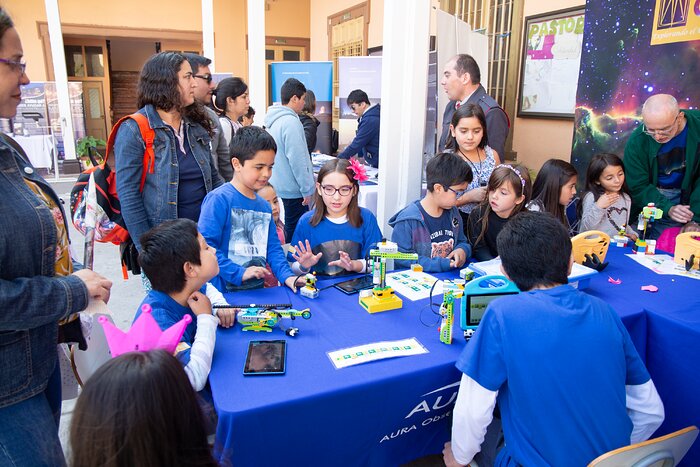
column 38, row 148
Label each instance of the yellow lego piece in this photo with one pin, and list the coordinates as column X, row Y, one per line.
column 416, row 267
column 381, row 300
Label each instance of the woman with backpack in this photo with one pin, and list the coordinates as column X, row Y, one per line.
column 183, row 171
column 38, row 286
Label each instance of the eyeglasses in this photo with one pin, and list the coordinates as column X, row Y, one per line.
column 15, row 65
column 206, row 78
column 663, row 131
column 459, row 193
column 330, row 190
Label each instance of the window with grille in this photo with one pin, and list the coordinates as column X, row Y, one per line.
column 495, row 19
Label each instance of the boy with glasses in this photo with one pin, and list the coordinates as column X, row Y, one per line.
column 661, row 162
column 432, row 226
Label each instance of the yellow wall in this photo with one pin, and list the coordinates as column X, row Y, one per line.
column 322, row 9
column 25, row 14
column 536, row 140
column 230, row 28
column 286, row 18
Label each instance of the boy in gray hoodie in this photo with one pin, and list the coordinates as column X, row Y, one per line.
column 292, row 175
column 432, row 226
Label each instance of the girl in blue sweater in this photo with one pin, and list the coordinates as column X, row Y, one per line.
column 337, row 235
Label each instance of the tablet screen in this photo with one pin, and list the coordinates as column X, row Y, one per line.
column 476, row 306
column 353, row 285
column 266, row 358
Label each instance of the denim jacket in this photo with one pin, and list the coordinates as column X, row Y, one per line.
column 32, row 299
column 158, row 201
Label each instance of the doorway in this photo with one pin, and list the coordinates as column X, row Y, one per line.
column 93, row 109
column 283, row 49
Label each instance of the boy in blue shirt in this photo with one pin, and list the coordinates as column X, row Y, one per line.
column 238, row 223
column 568, row 380
column 178, row 262
column 432, row 226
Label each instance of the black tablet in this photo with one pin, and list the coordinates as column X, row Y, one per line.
column 266, row 358
column 355, row 285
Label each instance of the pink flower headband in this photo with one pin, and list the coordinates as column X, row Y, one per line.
column 517, row 172
column 359, row 170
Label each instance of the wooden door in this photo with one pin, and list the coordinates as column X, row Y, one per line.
column 94, row 110
column 281, row 53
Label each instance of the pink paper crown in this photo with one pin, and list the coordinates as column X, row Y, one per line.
column 144, row 335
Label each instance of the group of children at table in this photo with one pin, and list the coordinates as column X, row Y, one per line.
column 559, row 362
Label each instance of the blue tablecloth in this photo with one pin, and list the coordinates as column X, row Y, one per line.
column 393, row 411
column 665, row 328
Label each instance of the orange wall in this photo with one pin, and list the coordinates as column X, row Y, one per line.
column 26, row 14
column 287, row 18
column 536, row 140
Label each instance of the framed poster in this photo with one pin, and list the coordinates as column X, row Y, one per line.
column 550, row 64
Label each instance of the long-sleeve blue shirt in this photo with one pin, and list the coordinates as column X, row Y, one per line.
column 243, row 232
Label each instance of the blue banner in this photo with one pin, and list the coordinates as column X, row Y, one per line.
column 317, row 77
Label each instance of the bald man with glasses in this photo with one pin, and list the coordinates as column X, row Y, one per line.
column 662, row 162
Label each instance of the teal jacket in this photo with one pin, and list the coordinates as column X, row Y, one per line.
column 641, row 169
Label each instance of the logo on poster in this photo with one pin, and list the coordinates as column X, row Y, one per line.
column 432, row 403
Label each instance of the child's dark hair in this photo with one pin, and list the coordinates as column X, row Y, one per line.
column 467, row 111
column 358, row 96
column 290, row 88
column 248, row 141
column 309, row 102
column 519, row 179
column 595, row 169
column 164, row 251
column 341, row 166
column 249, row 115
column 139, row 409
column 228, row 87
column 447, row 169
column 547, row 187
column 535, row 250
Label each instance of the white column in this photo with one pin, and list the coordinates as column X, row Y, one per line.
column 208, row 32
column 61, row 76
column 256, row 58
column 404, row 93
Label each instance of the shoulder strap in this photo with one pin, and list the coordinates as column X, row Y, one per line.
column 148, row 135
column 149, row 156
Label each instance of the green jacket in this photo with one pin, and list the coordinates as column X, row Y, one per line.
column 641, row 169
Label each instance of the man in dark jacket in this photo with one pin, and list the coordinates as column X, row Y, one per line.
column 662, row 162
column 366, row 142
column 461, row 80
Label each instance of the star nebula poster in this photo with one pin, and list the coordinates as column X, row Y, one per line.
column 620, row 69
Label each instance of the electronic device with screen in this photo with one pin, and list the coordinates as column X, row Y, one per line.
column 266, row 358
column 478, row 293
column 355, row 285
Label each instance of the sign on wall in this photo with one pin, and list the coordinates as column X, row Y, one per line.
column 316, row 76
column 551, row 60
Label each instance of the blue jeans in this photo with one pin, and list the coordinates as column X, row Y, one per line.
column 29, row 429
column 293, row 210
